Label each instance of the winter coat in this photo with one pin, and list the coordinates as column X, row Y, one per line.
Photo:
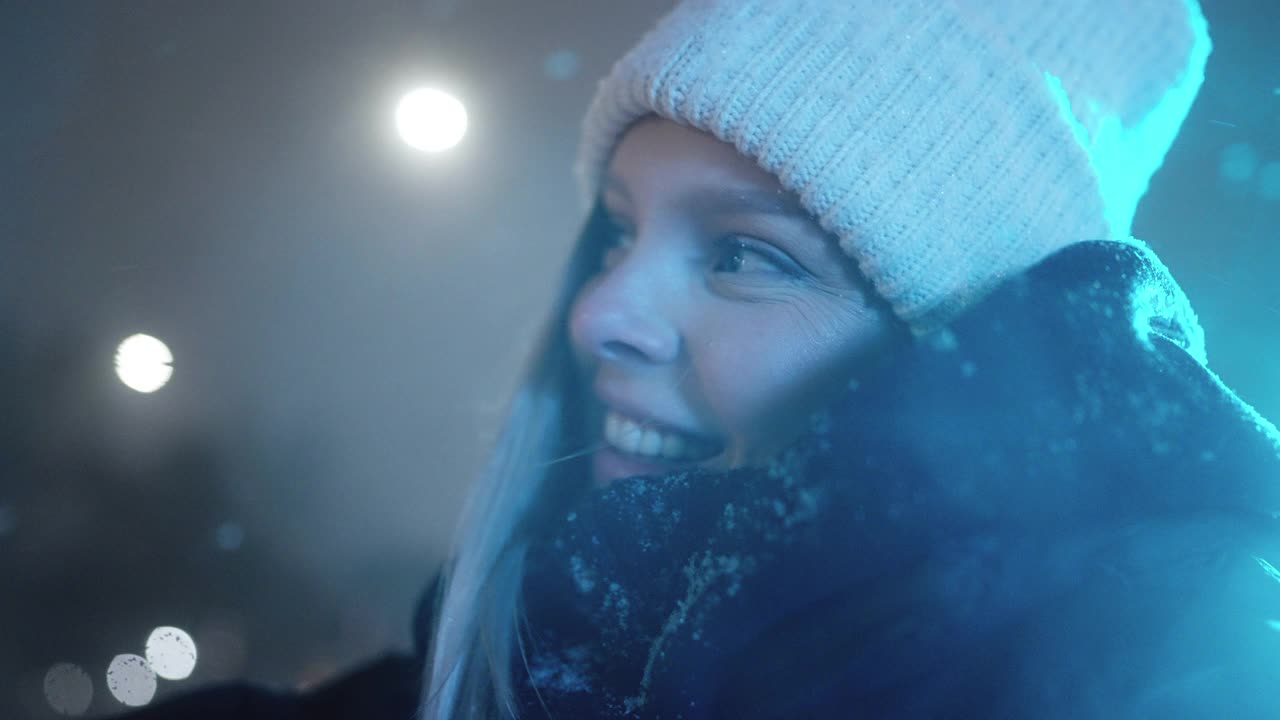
column 1049, row 509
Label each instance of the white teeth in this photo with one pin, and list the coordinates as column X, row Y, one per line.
column 651, row 443
column 628, row 436
column 673, row 446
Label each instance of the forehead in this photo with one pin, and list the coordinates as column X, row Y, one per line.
column 659, row 163
column 656, row 154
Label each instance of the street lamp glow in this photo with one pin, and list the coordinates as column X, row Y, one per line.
column 431, row 120
column 68, row 689
column 171, row 653
column 143, row 363
column 131, row 680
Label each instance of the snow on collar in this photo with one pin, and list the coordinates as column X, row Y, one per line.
column 1070, row 402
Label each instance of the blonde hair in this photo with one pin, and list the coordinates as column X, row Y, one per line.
column 537, row 462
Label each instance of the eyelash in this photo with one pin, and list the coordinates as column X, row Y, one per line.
column 735, row 242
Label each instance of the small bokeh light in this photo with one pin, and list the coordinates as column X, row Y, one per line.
column 143, row 363
column 131, row 680
column 229, row 536
column 8, row 520
column 223, row 648
column 561, row 65
column 171, row 653
column 1238, row 162
column 68, row 689
column 1269, row 180
column 431, row 120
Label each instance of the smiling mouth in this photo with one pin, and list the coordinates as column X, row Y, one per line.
column 634, row 439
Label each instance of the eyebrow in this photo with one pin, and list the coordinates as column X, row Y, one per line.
column 730, row 201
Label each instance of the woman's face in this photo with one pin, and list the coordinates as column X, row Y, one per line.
column 721, row 311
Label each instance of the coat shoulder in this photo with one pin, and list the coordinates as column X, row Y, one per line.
column 1184, row 623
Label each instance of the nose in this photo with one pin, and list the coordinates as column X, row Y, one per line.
column 622, row 316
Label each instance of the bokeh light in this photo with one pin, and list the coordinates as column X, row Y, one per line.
column 8, row 520
column 431, row 120
column 171, row 653
column 131, row 680
column 1269, row 180
column 229, row 536
column 1237, row 162
column 68, row 688
column 223, row 649
column 143, row 363
column 561, row 65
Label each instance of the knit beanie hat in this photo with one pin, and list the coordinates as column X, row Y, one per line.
column 946, row 144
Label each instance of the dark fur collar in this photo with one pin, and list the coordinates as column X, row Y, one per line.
column 1034, row 445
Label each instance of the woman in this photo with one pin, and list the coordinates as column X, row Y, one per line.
column 941, row 440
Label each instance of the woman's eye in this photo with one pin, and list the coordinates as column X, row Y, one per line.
column 739, row 254
column 733, row 254
column 613, row 242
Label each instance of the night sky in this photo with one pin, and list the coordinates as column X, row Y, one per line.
column 348, row 315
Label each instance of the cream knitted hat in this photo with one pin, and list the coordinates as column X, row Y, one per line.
column 947, row 144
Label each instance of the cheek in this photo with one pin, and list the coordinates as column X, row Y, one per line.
column 763, row 379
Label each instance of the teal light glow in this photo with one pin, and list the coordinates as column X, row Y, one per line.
column 1125, row 158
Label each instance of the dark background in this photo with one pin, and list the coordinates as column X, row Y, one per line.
column 348, row 315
